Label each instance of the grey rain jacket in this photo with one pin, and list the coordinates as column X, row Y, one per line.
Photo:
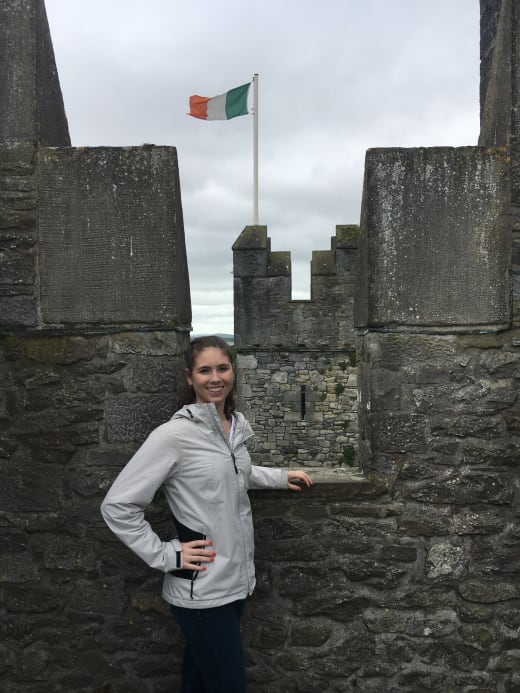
column 205, row 482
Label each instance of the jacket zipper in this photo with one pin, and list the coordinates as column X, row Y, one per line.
column 240, row 519
column 233, row 458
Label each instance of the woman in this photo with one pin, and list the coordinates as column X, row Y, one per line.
column 200, row 460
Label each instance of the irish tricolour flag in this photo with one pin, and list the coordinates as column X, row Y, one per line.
column 222, row 107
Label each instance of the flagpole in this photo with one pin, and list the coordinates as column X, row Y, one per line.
column 255, row 149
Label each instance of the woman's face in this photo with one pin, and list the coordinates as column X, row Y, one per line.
column 212, row 377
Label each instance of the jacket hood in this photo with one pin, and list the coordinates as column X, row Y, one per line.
column 207, row 414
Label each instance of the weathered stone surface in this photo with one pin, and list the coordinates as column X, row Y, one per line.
column 479, row 522
column 445, row 559
column 32, row 105
column 132, row 417
column 399, row 433
column 160, row 374
column 414, row 623
column 29, row 489
column 463, row 489
column 468, row 426
column 415, row 522
column 302, row 404
column 134, row 270
column 435, row 241
column 31, row 598
column 487, row 591
column 18, row 311
column 497, row 30
column 57, row 467
column 17, row 267
column 494, row 453
column 312, row 633
column 148, row 343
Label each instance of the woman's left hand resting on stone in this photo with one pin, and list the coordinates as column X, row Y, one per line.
column 298, row 475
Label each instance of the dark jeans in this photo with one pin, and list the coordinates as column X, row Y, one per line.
column 213, row 658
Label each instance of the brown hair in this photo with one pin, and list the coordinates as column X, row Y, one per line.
column 187, row 396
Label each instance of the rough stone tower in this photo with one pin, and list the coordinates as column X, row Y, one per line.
column 297, row 359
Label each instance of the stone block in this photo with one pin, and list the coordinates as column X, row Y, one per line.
column 309, row 634
column 478, row 522
column 112, row 246
column 398, row 433
column 247, row 361
column 323, row 262
column 445, row 560
column 44, row 351
column 463, row 489
column 16, row 267
column 158, row 374
column 435, row 242
column 347, row 236
column 489, row 591
column 251, row 251
column 168, row 343
column 279, row 264
column 18, row 311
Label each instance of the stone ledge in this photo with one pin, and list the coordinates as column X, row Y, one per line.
column 338, row 483
column 335, row 475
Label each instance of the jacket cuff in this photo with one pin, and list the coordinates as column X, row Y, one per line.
column 177, row 547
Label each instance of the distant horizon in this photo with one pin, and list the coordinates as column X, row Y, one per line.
column 229, row 338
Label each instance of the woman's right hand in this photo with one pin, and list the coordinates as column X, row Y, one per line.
column 196, row 552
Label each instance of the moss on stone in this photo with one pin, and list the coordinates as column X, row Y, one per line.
column 348, row 456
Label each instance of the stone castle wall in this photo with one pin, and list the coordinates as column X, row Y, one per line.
column 95, row 316
column 296, row 365
column 90, row 362
column 74, row 408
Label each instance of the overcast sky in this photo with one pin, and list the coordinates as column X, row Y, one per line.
column 336, row 77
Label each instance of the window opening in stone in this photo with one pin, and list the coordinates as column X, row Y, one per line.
column 302, row 401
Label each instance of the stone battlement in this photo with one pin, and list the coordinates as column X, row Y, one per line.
column 265, row 314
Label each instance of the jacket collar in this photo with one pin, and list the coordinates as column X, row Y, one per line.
column 208, row 414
